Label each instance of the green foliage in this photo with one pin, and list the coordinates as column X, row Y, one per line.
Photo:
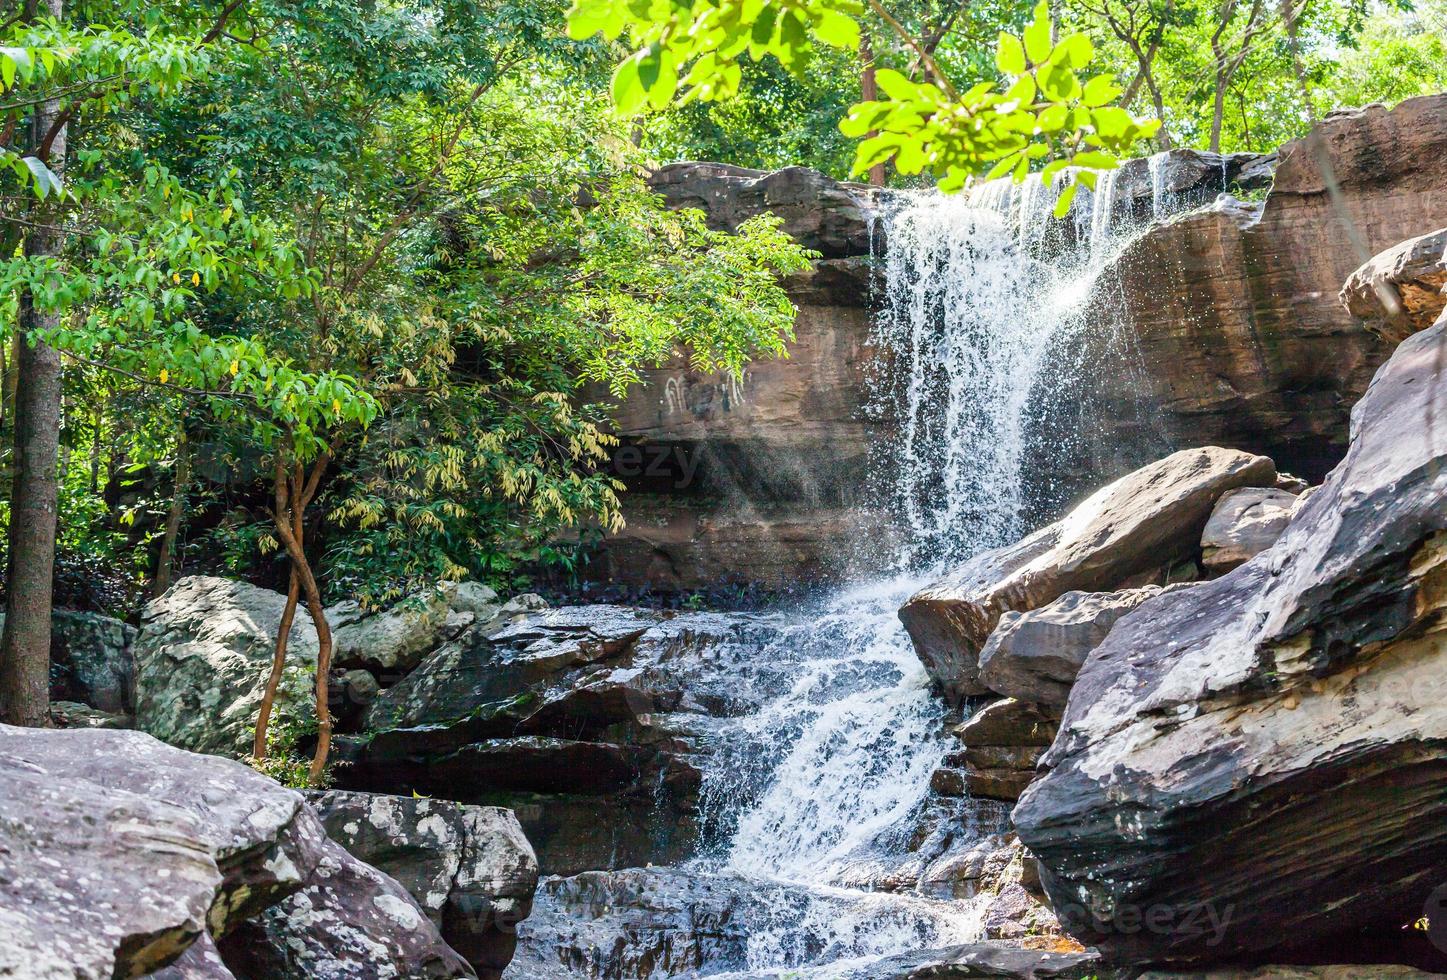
column 1044, row 112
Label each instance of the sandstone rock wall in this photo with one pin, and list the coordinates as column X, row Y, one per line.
column 1236, row 337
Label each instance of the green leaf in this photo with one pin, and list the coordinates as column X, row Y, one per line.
column 895, row 85
column 627, row 90
column 1037, row 35
column 1010, row 55
column 1062, row 203
column 1100, row 90
column 1095, row 159
column 589, row 17
column 46, row 182
column 1077, row 50
column 837, row 30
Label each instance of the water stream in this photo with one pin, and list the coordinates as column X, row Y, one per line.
column 815, row 796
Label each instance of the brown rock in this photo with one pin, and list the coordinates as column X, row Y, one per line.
column 1010, row 722
column 1243, row 524
column 1400, row 291
column 1144, row 520
column 1265, row 749
column 1237, row 338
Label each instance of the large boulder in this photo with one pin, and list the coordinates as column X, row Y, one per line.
column 202, row 659
column 117, row 851
column 469, row 867
column 1003, row 741
column 1400, row 291
column 1255, row 764
column 350, row 922
column 1035, row 655
column 393, row 641
column 90, row 660
column 1243, row 524
column 1141, row 523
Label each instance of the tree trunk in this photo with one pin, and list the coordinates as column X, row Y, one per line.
column 25, row 646
column 278, row 663
column 1218, row 113
column 869, row 92
column 181, row 478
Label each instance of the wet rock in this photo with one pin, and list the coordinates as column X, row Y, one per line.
column 469, row 867
column 1003, row 742
column 999, row 959
column 1256, row 761
column 350, row 922
column 202, row 659
column 1243, row 524
column 394, row 640
column 1146, row 520
column 1377, row 971
column 1035, row 655
column 1400, row 291
column 561, row 714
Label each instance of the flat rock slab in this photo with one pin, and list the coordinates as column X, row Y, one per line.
column 1256, row 762
column 977, row 961
column 1148, row 519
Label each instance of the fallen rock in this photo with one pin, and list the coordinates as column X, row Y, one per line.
column 350, row 922
column 475, row 598
column 202, row 659
column 91, row 660
column 560, row 714
column 1146, row 520
column 70, row 714
column 1003, row 741
column 1400, row 291
column 1035, row 655
column 1243, row 524
column 469, row 867
column 1377, row 971
column 1256, row 762
column 94, row 882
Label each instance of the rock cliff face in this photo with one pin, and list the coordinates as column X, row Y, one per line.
column 1238, row 339
column 1218, row 328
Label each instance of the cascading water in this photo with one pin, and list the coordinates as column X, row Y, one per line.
column 814, row 793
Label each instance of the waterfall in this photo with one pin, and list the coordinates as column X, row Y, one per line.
column 820, row 787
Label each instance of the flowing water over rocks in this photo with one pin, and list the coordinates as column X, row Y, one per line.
column 824, row 827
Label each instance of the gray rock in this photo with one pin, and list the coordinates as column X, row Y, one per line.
column 527, row 602
column 1256, row 761
column 253, row 828
column 392, row 641
column 201, row 961
column 1376, row 971
column 350, row 922
column 475, row 598
column 1400, row 290
column 91, row 660
column 202, row 660
column 1144, row 521
column 70, row 714
column 469, row 867
column 998, row 960
column 1035, row 655
column 1243, row 524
